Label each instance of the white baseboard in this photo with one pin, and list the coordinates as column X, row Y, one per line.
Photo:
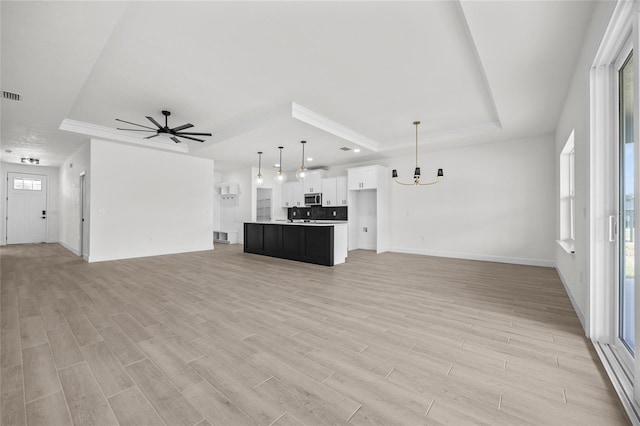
column 482, row 257
column 575, row 305
column 364, row 247
column 68, row 247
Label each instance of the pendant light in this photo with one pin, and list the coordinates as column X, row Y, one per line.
column 280, row 177
column 259, row 178
column 416, row 172
column 301, row 173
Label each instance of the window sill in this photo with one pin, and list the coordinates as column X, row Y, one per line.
column 567, row 245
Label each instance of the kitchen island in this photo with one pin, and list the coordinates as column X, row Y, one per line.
column 319, row 242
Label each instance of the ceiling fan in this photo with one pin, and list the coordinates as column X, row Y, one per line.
column 174, row 133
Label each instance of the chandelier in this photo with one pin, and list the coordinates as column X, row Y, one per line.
column 416, row 173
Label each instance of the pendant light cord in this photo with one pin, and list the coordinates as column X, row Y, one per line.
column 416, row 123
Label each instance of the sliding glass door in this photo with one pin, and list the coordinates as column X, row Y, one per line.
column 626, row 206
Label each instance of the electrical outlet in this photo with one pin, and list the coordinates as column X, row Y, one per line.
column 364, row 229
column 295, row 213
column 308, row 213
column 334, row 212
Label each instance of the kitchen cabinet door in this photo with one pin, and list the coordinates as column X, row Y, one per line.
column 313, row 183
column 287, row 195
column 298, row 194
column 329, row 194
column 363, row 178
column 341, row 191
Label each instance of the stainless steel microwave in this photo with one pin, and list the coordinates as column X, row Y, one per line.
column 313, row 199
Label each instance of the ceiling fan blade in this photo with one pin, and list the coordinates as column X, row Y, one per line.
column 193, row 134
column 151, row 119
column 152, row 136
column 136, row 130
column 189, row 137
column 128, row 122
column 176, row 140
column 184, row 126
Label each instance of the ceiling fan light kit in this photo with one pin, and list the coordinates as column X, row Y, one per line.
column 160, row 130
column 416, row 172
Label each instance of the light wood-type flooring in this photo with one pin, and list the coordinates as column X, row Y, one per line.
column 227, row 338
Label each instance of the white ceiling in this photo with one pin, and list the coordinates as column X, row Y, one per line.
column 263, row 74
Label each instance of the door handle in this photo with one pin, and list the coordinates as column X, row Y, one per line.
column 612, row 228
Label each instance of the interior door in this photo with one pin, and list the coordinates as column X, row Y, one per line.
column 26, row 208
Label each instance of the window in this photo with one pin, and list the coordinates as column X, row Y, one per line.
column 568, row 195
column 26, row 184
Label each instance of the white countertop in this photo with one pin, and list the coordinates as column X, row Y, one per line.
column 314, row 223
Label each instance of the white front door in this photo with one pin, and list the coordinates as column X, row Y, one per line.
column 26, row 208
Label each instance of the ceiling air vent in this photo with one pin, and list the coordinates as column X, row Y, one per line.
column 345, row 148
column 11, row 96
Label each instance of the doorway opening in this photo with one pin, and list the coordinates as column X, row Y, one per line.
column 263, row 204
column 84, row 231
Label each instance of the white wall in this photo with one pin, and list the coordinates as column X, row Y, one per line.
column 53, row 214
column 496, row 202
column 217, row 206
column 574, row 268
column 70, row 172
column 147, row 202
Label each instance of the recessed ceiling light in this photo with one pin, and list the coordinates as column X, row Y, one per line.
column 309, row 158
column 356, row 150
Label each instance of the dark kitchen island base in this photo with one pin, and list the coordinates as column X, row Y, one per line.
column 319, row 243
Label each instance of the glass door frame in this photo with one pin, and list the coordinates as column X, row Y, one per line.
column 620, row 348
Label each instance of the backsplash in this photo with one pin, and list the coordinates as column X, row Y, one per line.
column 317, row 213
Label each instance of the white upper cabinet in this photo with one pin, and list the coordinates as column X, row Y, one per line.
column 334, row 191
column 313, row 182
column 292, row 194
column 287, row 195
column 341, row 191
column 363, row 178
column 329, row 194
column 298, row 194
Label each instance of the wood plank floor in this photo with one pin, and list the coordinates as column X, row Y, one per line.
column 226, row 338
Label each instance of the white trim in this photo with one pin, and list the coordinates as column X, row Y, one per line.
column 321, row 122
column 601, row 204
column 482, row 257
column 616, row 34
column 476, row 55
column 68, row 247
column 567, row 245
column 120, row 136
column 576, row 306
